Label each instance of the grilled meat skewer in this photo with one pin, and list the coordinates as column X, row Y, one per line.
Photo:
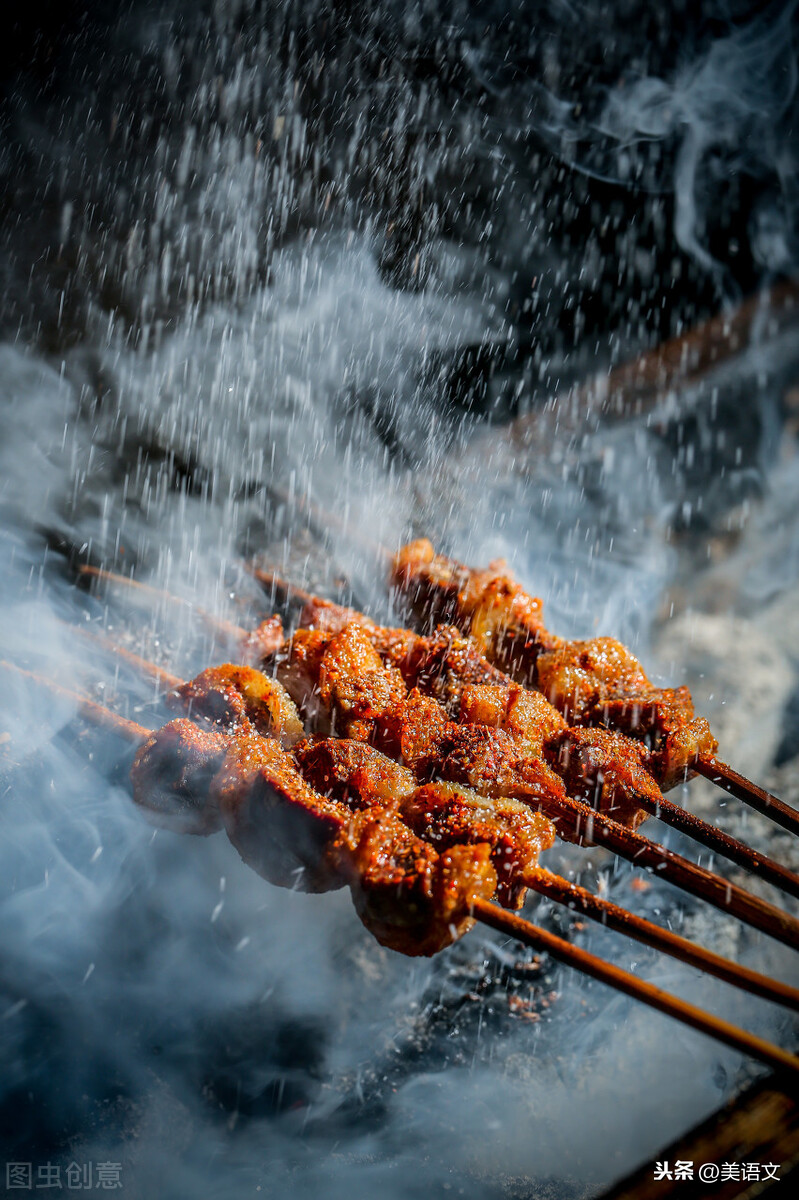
column 267, row 638
column 341, row 677
column 595, row 682
column 381, row 870
column 411, row 897
column 242, row 698
column 482, row 759
column 601, row 768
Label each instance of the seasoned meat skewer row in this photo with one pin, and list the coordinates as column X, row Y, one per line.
column 197, row 780
column 600, row 767
column 340, row 678
column 442, row 814
column 595, row 682
column 490, row 762
column 441, row 811
column 266, row 640
column 598, row 680
column 352, row 772
column 375, row 898
column 442, row 662
column 240, row 698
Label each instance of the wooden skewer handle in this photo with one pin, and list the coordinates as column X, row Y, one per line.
column 221, row 627
column 605, row 912
column 722, row 843
column 277, row 584
column 584, row 822
column 756, row 797
column 143, row 665
column 540, row 939
column 96, row 713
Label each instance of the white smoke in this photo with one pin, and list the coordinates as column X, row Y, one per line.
column 730, row 112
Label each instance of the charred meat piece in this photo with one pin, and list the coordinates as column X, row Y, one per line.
column 602, row 769
column 265, row 641
column 298, row 668
column 527, row 716
column 439, row 664
column 664, row 719
column 447, row 815
column 362, row 695
column 232, row 695
column 488, row 761
column 607, row 771
column 424, row 727
column 327, row 617
column 411, row 898
column 599, row 682
column 441, row 813
column 443, row 664
column 354, row 773
column 577, row 676
column 505, row 623
column 596, row 682
column 280, row 826
column 172, row 773
column 339, row 682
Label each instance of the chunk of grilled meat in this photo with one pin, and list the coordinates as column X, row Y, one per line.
column 504, row 622
column 280, row 826
column 411, row 898
column 526, row 715
column 171, row 776
column 664, row 720
column 362, row 694
column 448, row 816
column 232, row 695
column 576, row 676
column 607, row 771
column 354, row 773
column 599, row 682
column 440, row 664
column 263, row 642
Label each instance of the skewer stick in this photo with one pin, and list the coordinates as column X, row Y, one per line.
column 605, row 912
column 723, row 843
column 697, row 881
column 276, row 584
column 142, row 665
column 218, row 625
column 635, row 387
column 97, row 714
column 756, row 797
column 532, row 935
